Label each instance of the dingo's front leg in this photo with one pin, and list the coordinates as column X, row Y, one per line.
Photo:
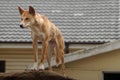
column 35, row 47
column 44, row 54
column 34, row 66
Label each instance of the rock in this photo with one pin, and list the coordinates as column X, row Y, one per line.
column 33, row 75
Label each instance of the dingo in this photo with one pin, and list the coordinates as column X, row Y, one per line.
column 44, row 30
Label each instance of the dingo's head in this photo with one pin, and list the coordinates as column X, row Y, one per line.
column 27, row 17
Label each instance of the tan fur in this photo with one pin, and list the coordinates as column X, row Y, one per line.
column 44, row 30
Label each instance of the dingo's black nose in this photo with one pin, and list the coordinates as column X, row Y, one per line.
column 21, row 26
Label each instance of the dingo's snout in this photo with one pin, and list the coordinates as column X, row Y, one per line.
column 21, row 26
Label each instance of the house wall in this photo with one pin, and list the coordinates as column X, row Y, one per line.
column 19, row 57
column 16, row 59
column 91, row 68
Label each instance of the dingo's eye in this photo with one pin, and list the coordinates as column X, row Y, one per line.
column 26, row 18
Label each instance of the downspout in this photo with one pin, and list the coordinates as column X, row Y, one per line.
column 67, row 48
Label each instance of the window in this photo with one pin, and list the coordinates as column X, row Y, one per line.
column 2, row 66
column 111, row 75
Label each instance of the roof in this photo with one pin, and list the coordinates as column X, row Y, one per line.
column 79, row 20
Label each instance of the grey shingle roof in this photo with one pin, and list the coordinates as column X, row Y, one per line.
column 79, row 20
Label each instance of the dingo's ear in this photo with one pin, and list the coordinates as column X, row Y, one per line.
column 31, row 10
column 21, row 10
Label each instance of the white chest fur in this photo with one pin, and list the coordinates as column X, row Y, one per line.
column 39, row 34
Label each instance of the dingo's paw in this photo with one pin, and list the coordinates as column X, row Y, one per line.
column 41, row 67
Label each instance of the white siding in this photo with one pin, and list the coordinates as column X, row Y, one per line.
column 17, row 59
